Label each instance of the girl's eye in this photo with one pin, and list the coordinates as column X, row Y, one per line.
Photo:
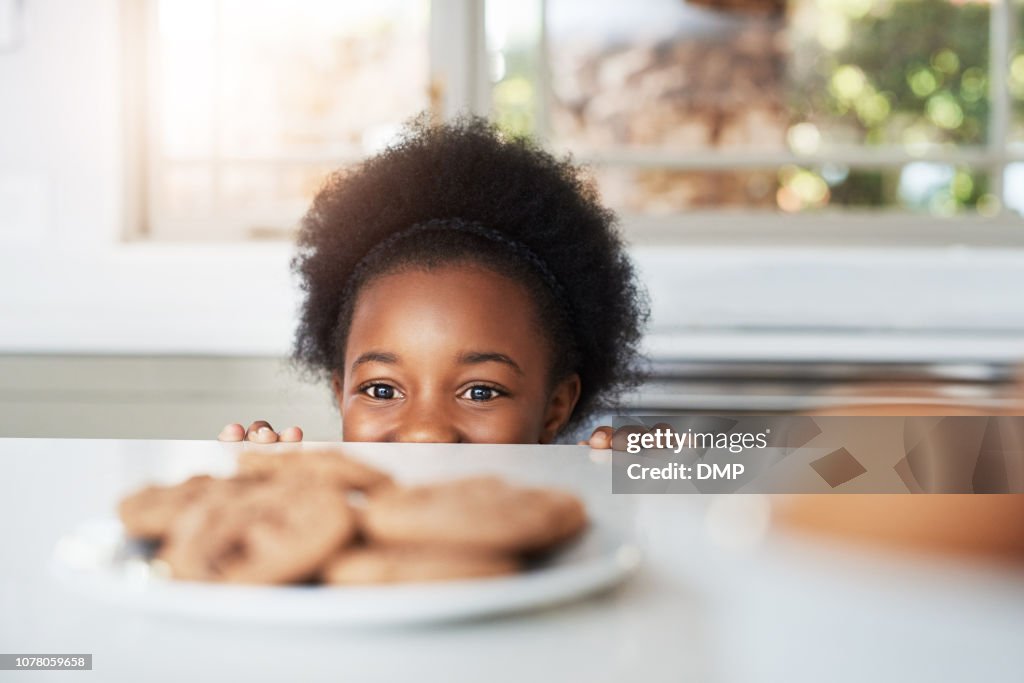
column 481, row 392
column 381, row 392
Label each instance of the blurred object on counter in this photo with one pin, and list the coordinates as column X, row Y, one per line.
column 923, row 399
column 988, row 526
column 902, row 406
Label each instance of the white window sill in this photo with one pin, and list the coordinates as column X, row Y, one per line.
column 709, row 302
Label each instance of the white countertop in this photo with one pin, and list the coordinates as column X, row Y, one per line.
column 695, row 611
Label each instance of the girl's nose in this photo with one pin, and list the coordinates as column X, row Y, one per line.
column 427, row 428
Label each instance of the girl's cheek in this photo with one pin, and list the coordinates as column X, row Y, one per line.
column 357, row 432
column 507, row 427
column 357, row 425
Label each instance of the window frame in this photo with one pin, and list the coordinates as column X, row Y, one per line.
column 993, row 157
column 452, row 82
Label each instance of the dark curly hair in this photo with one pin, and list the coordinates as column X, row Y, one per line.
column 476, row 196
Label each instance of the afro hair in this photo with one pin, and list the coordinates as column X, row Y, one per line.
column 468, row 172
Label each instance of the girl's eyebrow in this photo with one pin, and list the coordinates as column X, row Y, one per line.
column 474, row 357
column 374, row 357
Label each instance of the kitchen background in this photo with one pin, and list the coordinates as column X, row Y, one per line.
column 823, row 196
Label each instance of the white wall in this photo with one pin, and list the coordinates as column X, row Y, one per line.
column 60, row 126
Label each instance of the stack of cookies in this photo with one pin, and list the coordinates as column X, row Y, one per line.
column 304, row 515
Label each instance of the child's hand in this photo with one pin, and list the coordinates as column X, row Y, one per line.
column 259, row 431
column 600, row 439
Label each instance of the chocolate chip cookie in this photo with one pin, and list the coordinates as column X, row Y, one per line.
column 374, row 564
column 323, row 466
column 149, row 513
column 268, row 531
column 481, row 514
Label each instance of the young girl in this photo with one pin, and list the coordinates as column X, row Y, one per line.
column 463, row 287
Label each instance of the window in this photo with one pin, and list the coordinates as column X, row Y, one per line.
column 708, row 108
column 807, row 106
column 877, row 280
column 251, row 104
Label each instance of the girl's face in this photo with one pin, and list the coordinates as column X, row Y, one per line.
column 450, row 355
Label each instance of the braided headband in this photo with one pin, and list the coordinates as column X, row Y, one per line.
column 459, row 225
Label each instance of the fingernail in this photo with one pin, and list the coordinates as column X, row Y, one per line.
column 262, row 432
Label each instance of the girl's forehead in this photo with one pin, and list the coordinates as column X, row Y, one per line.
column 446, row 311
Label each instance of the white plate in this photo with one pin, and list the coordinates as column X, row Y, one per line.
column 96, row 560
